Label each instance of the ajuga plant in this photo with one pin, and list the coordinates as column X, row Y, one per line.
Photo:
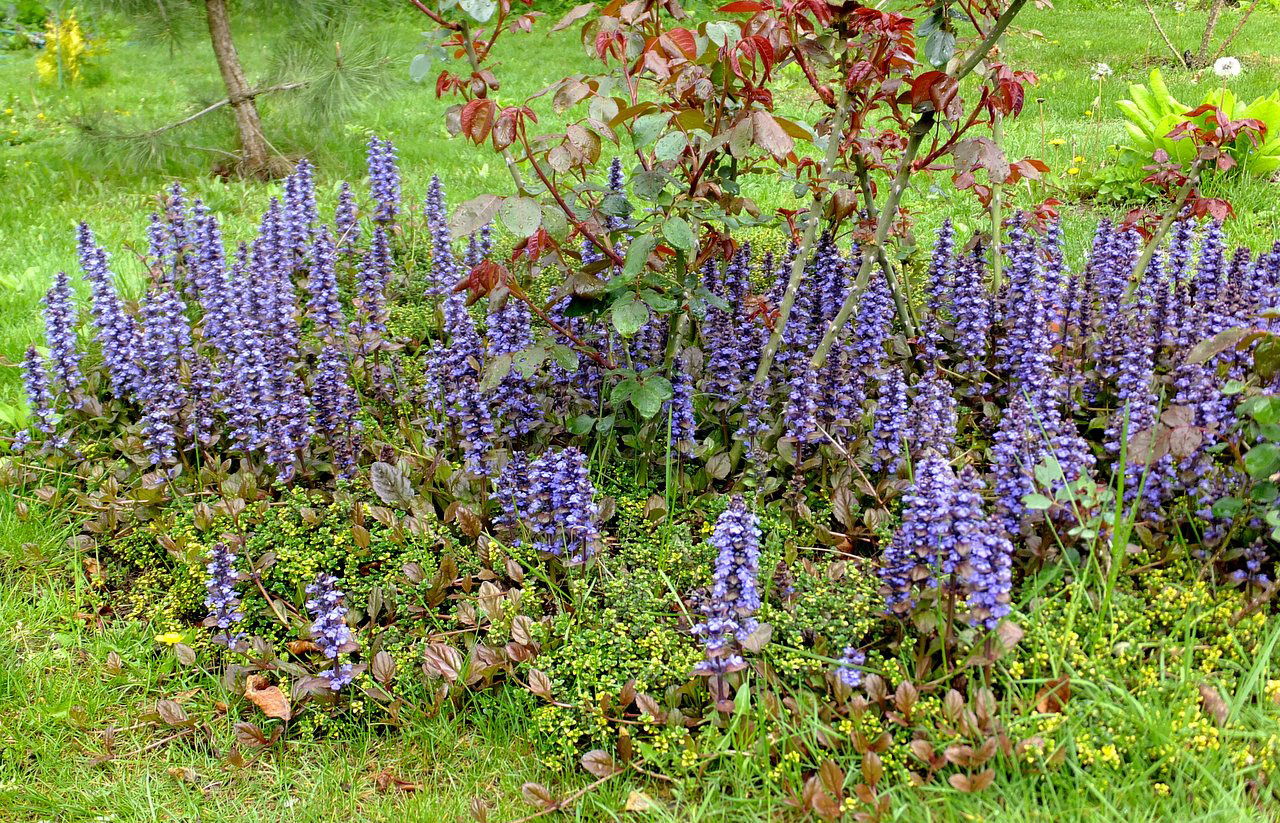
column 1027, row 415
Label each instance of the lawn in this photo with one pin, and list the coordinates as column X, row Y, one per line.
column 79, row 673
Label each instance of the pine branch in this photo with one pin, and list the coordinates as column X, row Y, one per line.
column 226, row 101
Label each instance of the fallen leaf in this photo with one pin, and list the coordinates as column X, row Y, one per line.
column 386, row 781
column 267, row 697
column 638, row 801
column 1213, row 703
column 1053, row 696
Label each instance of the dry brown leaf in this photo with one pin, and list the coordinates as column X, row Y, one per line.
column 1053, row 696
column 267, row 697
column 1213, row 703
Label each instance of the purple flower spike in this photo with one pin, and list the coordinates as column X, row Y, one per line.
column 384, row 180
column 849, row 669
column 60, row 333
column 36, row 381
column 222, row 601
column 117, row 333
column 329, row 630
column 734, row 598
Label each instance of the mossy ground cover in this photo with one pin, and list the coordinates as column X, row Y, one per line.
column 1156, row 700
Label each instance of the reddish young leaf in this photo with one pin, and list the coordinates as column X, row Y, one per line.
column 477, row 119
column 573, row 15
column 749, row 6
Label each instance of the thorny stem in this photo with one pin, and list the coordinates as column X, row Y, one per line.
column 436, row 18
column 1231, row 37
column 582, row 346
column 997, row 201
column 887, row 214
column 869, row 255
column 900, row 302
column 606, row 249
column 1171, row 214
column 807, row 243
column 1215, row 11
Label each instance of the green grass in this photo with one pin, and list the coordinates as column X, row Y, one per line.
column 57, row 697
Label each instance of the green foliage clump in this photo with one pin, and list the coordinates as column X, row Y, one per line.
column 308, row 536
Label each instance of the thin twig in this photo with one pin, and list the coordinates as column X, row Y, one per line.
column 1171, row 214
column 1163, row 34
column 226, row 101
column 812, row 220
column 1231, row 37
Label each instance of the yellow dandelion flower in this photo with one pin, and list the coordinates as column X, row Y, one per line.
column 1088, row 112
column 1057, row 141
column 1073, row 170
column 169, row 638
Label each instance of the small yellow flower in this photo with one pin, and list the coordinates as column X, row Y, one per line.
column 1078, row 159
column 1057, row 141
column 1088, row 112
column 8, row 111
column 169, row 638
column 1073, row 170
column 40, row 116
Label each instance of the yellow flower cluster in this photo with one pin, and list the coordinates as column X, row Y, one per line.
column 66, row 50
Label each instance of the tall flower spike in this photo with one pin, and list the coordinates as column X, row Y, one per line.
column 684, row 428
column 384, row 180
column 510, row 493
column 36, row 381
column 558, row 510
column 222, row 601
column 1016, row 448
column 329, row 630
column 972, row 306
column 513, row 400
column 346, row 221
column 324, row 306
column 209, row 279
column 117, row 333
column 933, row 415
column 939, row 287
column 891, row 423
column 165, row 336
column 337, row 407
column 300, row 212
column 730, row 607
column 60, row 333
column 371, row 285
column 444, row 268
column 985, row 566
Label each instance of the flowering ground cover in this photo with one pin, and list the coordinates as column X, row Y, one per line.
column 394, row 502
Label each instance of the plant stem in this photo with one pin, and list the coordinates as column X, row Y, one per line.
column 869, row 255
column 1215, row 11
column 1163, row 34
column 918, row 131
column 808, row 241
column 465, row 31
column 997, row 197
column 1171, row 214
column 1231, row 37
